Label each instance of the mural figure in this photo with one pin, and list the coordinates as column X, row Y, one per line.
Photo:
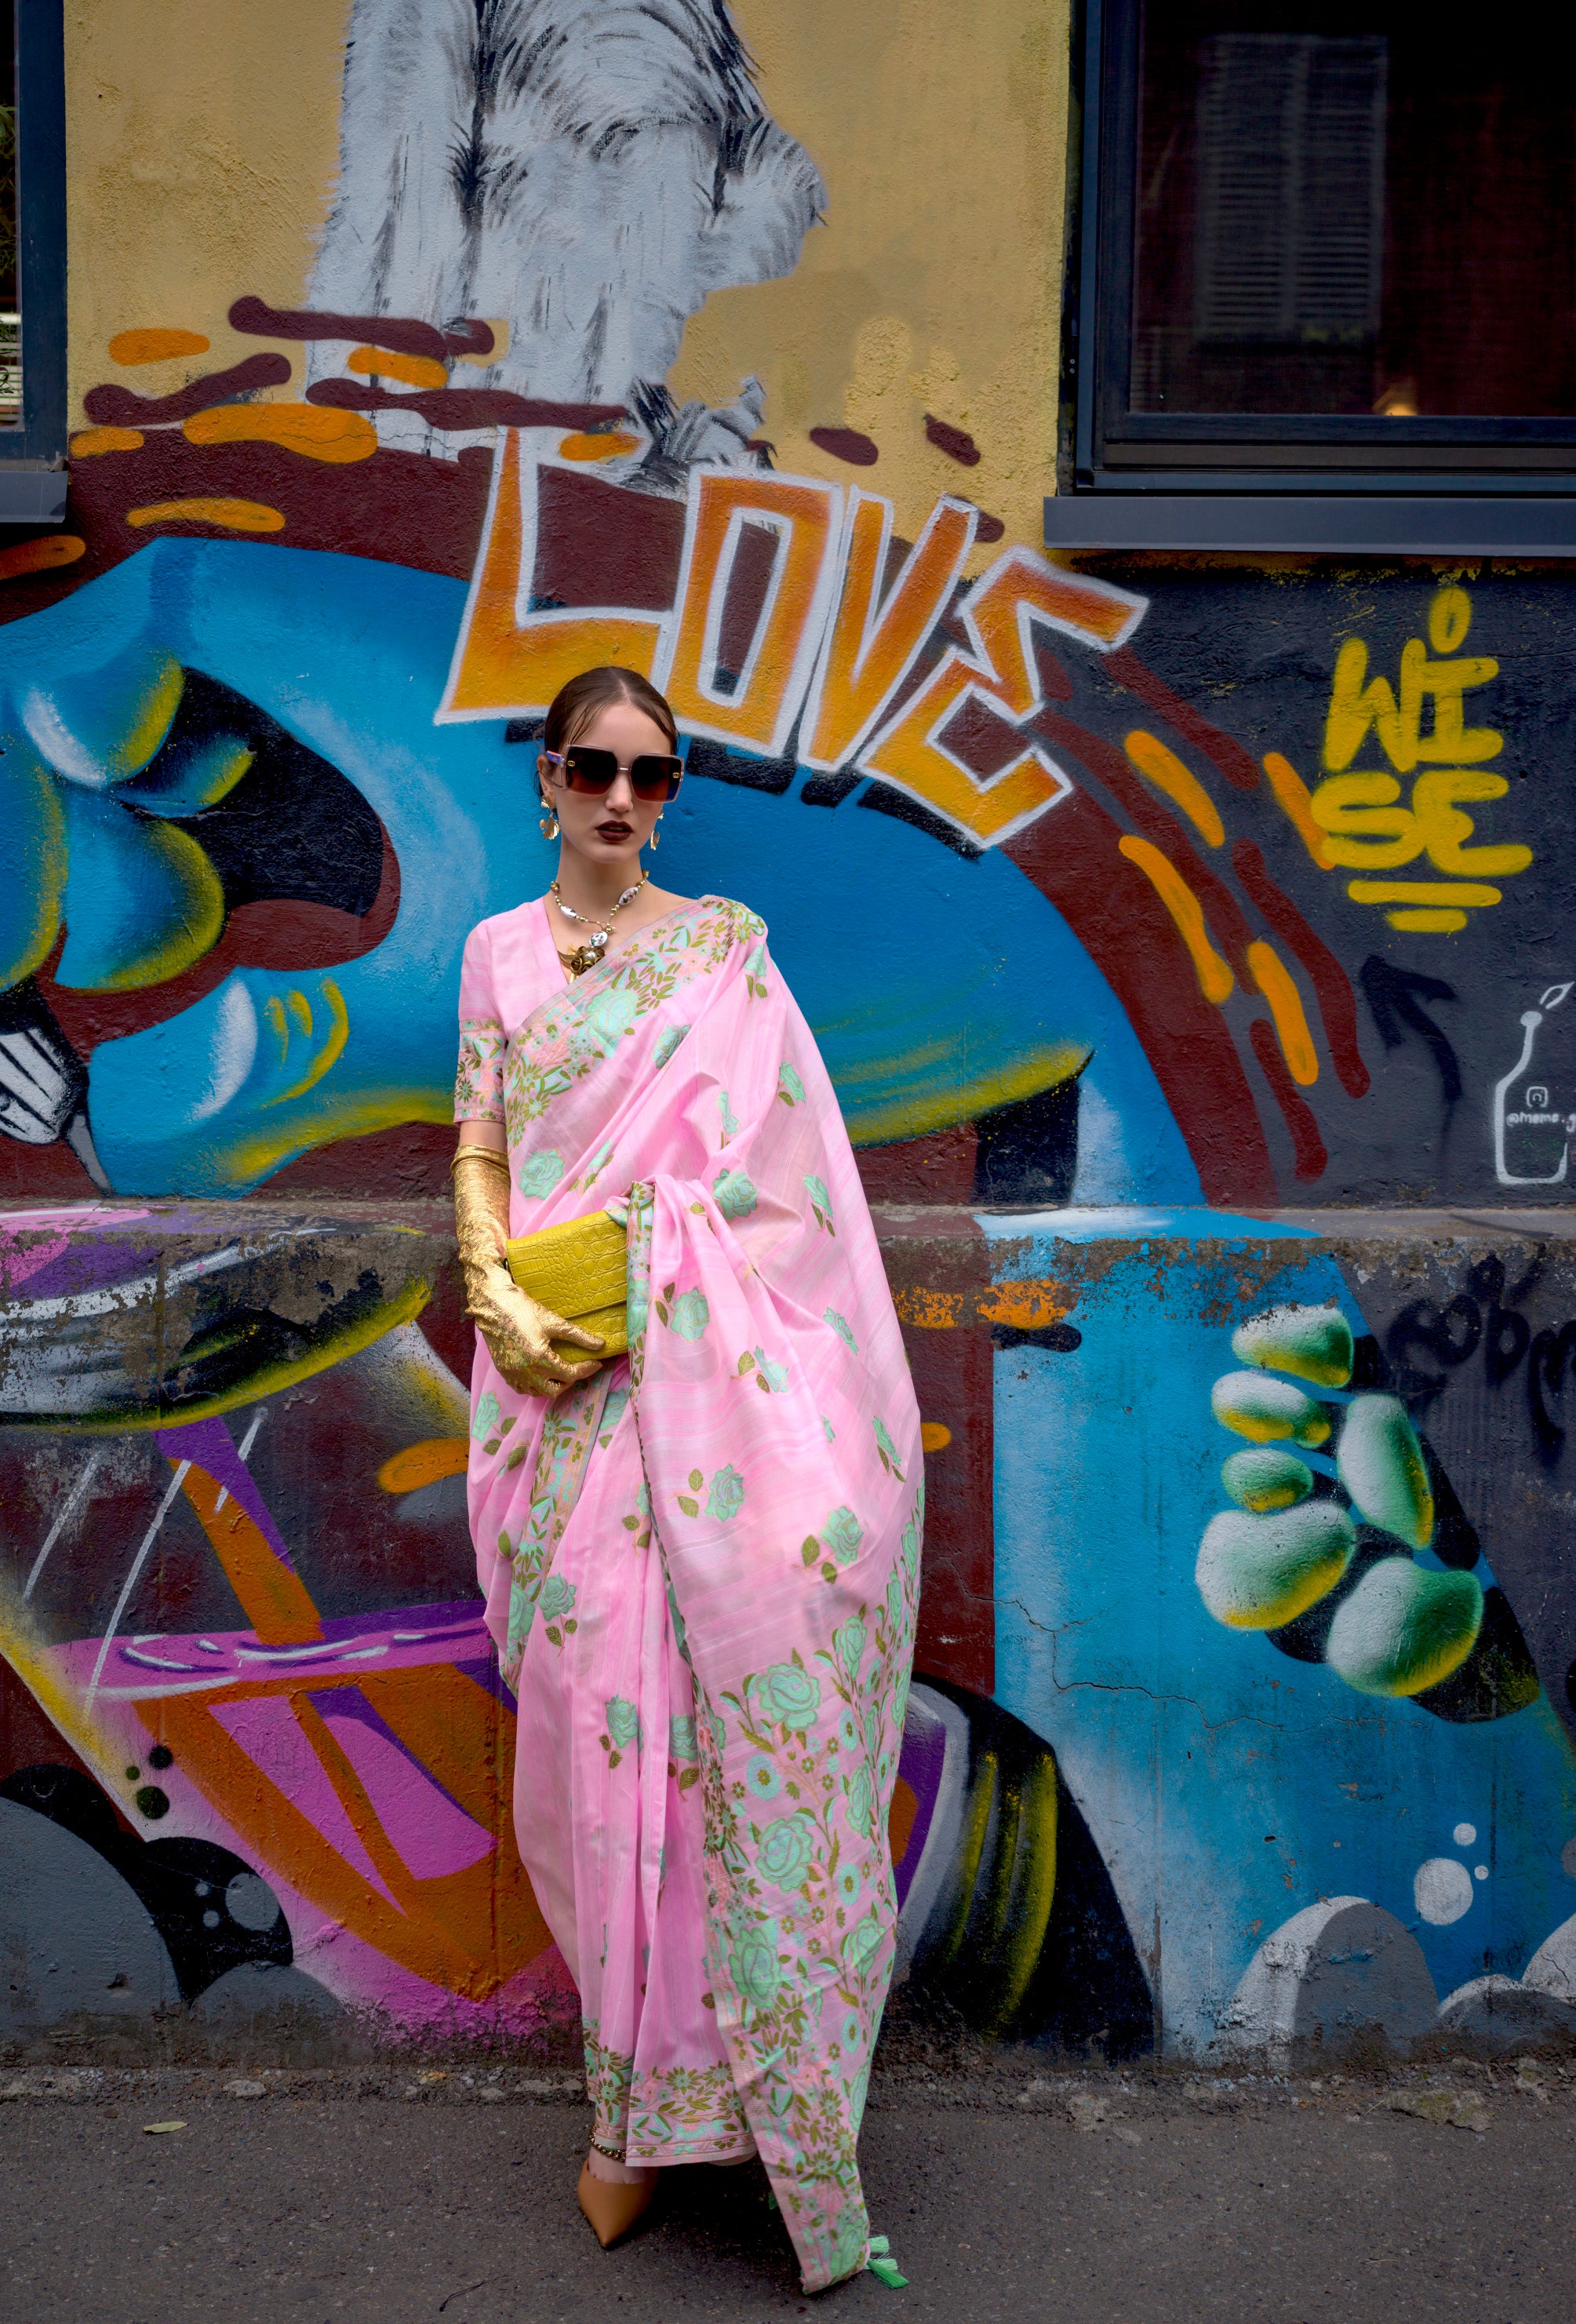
column 585, row 174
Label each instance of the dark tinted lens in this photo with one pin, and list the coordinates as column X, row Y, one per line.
column 586, row 769
column 655, row 779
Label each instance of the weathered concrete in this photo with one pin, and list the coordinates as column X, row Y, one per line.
column 1124, row 1823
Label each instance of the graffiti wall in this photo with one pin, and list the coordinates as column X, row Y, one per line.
column 1185, row 942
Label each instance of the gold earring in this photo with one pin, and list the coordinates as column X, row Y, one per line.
column 549, row 826
column 656, row 843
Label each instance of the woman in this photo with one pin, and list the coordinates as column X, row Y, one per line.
column 701, row 1562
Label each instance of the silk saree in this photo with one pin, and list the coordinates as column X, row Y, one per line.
column 701, row 1567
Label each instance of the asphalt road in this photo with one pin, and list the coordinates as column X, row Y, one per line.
column 326, row 2209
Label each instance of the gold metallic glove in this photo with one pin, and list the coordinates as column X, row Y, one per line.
column 519, row 1330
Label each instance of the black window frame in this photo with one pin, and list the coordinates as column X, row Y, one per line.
column 1255, row 480
column 32, row 453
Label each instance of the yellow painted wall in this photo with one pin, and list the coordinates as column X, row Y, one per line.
column 201, row 145
column 935, row 282
column 202, row 150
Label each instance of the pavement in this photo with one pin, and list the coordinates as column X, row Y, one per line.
column 331, row 2197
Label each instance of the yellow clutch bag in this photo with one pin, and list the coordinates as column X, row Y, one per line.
column 577, row 1269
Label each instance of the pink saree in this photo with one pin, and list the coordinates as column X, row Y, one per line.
column 701, row 1566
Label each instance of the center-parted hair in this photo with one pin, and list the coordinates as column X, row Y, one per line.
column 576, row 704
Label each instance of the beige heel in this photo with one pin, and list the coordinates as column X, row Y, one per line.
column 611, row 2207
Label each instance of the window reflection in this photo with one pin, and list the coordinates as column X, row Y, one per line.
column 1352, row 210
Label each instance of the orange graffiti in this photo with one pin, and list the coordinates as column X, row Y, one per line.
column 89, row 442
column 468, row 1931
column 272, row 1595
column 934, row 1435
column 426, row 1463
column 1019, row 591
column 1274, row 979
column 508, row 662
column 1166, row 770
column 156, row 347
column 930, row 1311
column 410, row 370
column 1215, row 977
column 38, row 555
column 1028, row 1304
column 764, row 695
column 1297, row 805
column 314, row 430
column 873, row 638
column 236, row 516
column 610, row 447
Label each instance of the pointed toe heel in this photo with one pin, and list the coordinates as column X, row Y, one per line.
column 612, row 2209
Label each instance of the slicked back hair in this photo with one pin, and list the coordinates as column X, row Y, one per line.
column 576, row 704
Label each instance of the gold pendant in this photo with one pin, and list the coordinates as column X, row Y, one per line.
column 583, row 958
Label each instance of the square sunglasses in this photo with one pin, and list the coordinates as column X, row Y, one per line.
column 653, row 776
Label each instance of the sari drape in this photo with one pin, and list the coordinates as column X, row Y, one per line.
column 701, row 1568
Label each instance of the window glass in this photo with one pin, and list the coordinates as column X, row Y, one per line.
column 10, row 305
column 1352, row 209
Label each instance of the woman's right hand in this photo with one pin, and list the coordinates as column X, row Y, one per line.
column 519, row 1330
column 519, row 1333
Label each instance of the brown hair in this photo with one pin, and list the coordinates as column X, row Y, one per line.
column 576, row 704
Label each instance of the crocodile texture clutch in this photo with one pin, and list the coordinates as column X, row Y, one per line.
column 577, row 1269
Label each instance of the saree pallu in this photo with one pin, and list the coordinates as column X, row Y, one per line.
column 701, row 1568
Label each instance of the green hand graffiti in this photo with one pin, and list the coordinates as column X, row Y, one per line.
column 1284, row 1546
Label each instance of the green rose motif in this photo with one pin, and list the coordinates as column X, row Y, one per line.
column 872, row 1728
column 789, row 1087
column 820, row 1201
column 862, row 1943
column 488, row 1414
column 624, row 1720
column 608, row 1019
column 760, row 1776
column 851, row 2242
column 730, row 1120
column 681, row 1737
column 774, row 1375
column 789, row 1695
column 840, row 1325
column 597, row 1164
column 910, row 1548
column 640, row 1301
column 735, row 1194
column 690, row 1314
column 843, row 1533
column 858, row 1810
column 726, row 1497
column 895, row 1601
column 784, row 1852
column 541, row 1173
column 522, row 1615
column 899, row 1703
column 753, row 1965
column 826, row 1428
column 668, row 1043
column 849, row 1642
column 848, row 1888
column 556, row 1598
column 885, row 1446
